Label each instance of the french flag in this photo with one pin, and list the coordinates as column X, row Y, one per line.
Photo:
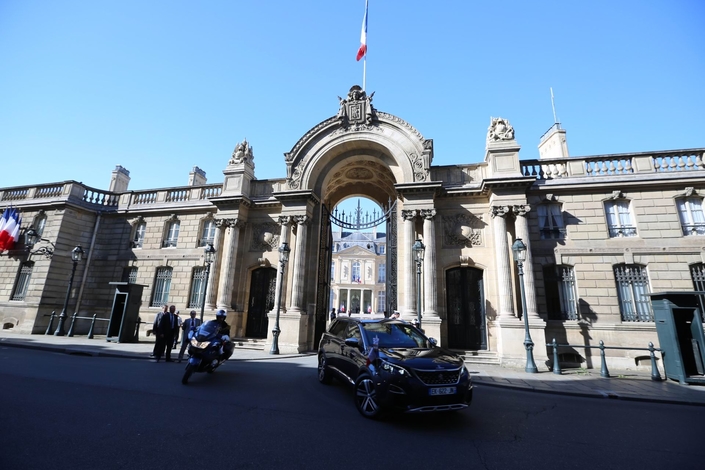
column 363, row 37
column 9, row 228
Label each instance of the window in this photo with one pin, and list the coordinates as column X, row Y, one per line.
column 40, row 223
column 619, row 219
column 561, row 300
column 198, row 280
column 162, row 284
column 381, row 249
column 20, row 290
column 697, row 274
column 129, row 275
column 382, row 273
column 332, row 271
column 208, row 232
column 690, row 212
column 632, row 287
column 172, row 234
column 356, row 272
column 550, row 221
column 381, row 301
column 138, row 238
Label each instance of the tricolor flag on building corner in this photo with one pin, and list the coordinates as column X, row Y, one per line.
column 363, row 37
column 9, row 228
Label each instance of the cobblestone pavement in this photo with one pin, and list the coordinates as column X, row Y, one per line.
column 622, row 385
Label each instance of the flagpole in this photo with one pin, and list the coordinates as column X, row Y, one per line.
column 364, row 73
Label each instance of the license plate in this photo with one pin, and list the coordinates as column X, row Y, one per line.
column 442, row 391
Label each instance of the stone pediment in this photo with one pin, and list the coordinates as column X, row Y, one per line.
column 356, row 251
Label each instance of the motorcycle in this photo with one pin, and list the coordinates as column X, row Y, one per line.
column 205, row 350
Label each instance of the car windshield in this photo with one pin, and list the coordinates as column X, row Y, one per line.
column 394, row 335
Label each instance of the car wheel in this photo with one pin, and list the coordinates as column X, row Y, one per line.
column 324, row 375
column 366, row 399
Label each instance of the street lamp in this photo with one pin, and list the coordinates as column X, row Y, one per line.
column 419, row 249
column 284, row 251
column 31, row 237
column 519, row 249
column 76, row 255
column 209, row 252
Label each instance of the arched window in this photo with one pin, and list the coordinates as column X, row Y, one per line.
column 207, row 232
column 690, row 212
column 40, row 222
column 138, row 235
column 356, row 272
column 198, row 279
column 171, row 237
column 619, row 218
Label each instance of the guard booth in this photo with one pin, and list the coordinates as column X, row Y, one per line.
column 124, row 315
column 679, row 326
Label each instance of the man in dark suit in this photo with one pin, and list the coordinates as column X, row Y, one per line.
column 190, row 324
column 165, row 327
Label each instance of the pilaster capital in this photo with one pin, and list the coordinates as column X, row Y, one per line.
column 302, row 219
column 428, row 214
column 499, row 211
column 284, row 220
column 521, row 210
column 409, row 215
column 230, row 223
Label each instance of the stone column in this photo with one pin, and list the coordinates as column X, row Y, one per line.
column 522, row 231
column 504, row 284
column 227, row 275
column 408, row 266
column 298, row 284
column 429, row 264
column 215, row 275
column 284, row 221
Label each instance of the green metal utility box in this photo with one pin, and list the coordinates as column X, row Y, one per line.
column 679, row 326
column 125, row 312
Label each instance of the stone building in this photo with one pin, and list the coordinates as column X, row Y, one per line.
column 602, row 231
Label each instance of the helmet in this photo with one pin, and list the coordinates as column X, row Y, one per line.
column 221, row 314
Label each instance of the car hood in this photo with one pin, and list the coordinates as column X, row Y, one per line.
column 431, row 358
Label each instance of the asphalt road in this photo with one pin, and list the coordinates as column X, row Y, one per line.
column 78, row 412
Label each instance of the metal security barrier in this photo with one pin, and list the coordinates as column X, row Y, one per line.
column 74, row 317
column 604, row 372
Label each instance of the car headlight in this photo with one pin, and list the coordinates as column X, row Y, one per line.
column 394, row 369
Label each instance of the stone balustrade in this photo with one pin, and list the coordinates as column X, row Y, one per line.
column 615, row 165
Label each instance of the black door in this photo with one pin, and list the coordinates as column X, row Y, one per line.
column 262, row 289
column 466, row 312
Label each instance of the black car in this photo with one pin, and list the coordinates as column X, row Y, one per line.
column 393, row 366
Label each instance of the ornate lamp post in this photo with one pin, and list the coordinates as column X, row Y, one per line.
column 209, row 252
column 419, row 249
column 519, row 249
column 76, row 256
column 31, row 238
column 284, row 251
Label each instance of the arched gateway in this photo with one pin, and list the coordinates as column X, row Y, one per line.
column 462, row 213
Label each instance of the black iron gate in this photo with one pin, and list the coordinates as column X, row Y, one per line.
column 324, row 259
column 391, row 286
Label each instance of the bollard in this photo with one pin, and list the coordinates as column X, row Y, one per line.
column 655, row 376
column 556, row 365
column 73, row 320
column 51, row 324
column 90, row 331
column 603, row 370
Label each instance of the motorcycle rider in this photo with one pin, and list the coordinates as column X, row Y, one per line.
column 224, row 330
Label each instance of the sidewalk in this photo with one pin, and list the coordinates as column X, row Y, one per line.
column 622, row 385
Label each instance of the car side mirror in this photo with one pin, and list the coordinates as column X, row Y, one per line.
column 352, row 342
column 433, row 342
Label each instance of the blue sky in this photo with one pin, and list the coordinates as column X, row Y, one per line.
column 159, row 86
